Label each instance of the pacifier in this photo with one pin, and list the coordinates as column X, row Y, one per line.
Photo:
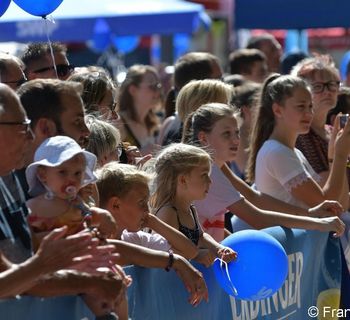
column 71, row 192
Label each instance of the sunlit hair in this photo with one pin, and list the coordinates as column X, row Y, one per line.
column 276, row 89
column 96, row 84
column 5, row 60
column 198, row 92
column 103, row 138
column 172, row 161
column 117, row 180
column 37, row 51
column 134, row 77
column 204, row 119
column 309, row 67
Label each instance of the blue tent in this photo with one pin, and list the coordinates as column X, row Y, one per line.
column 291, row 14
column 76, row 20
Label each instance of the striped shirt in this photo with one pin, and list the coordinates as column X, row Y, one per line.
column 15, row 240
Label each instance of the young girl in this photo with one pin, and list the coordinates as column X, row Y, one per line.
column 124, row 192
column 182, row 176
column 214, row 127
column 281, row 170
column 60, row 169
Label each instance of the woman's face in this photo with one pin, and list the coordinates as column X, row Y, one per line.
column 108, row 106
column 324, row 90
column 296, row 113
column 222, row 140
column 147, row 93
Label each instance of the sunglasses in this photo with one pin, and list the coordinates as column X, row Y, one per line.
column 25, row 123
column 62, row 69
column 17, row 82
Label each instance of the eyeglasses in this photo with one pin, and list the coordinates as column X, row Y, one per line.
column 25, row 123
column 153, row 86
column 62, row 69
column 318, row 87
column 109, row 110
column 17, row 82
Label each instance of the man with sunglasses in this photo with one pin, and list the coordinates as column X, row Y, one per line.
column 11, row 70
column 39, row 62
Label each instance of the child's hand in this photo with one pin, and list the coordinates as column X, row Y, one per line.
column 332, row 224
column 226, row 254
column 104, row 221
column 206, row 257
column 326, row 209
column 192, row 279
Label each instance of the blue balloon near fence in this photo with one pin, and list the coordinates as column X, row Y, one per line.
column 126, row 44
column 4, row 4
column 260, row 269
column 39, row 8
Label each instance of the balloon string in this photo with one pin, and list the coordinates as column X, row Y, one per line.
column 50, row 44
column 224, row 266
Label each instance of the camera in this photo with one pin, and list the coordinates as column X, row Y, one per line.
column 343, row 119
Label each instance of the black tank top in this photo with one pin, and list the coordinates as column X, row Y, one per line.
column 192, row 234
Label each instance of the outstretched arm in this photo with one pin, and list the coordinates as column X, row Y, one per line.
column 141, row 256
column 260, row 219
column 266, row 202
column 178, row 241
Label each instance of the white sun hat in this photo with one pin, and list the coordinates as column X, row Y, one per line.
column 52, row 153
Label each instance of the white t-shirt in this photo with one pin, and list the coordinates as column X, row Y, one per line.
column 211, row 211
column 278, row 169
column 149, row 240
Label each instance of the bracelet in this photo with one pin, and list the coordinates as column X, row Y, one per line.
column 171, row 260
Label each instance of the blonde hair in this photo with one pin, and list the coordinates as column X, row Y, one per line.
column 118, row 179
column 199, row 92
column 205, row 118
column 176, row 159
column 103, row 138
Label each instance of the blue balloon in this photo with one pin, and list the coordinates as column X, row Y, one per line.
column 344, row 65
column 4, row 4
column 126, row 44
column 101, row 38
column 39, row 8
column 260, row 269
column 182, row 44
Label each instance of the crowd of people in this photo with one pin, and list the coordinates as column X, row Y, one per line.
column 96, row 175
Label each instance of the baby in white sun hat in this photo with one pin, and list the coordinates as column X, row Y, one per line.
column 60, row 169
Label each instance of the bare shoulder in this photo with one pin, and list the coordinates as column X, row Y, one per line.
column 168, row 214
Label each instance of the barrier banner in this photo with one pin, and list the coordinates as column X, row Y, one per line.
column 311, row 290
column 33, row 308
